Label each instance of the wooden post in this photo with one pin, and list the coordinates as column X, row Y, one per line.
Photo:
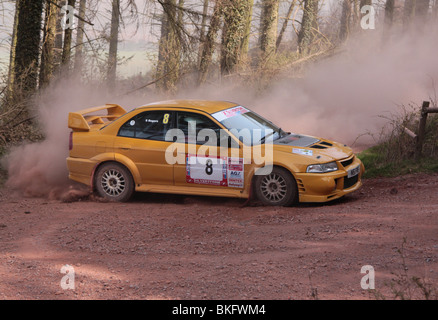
column 422, row 129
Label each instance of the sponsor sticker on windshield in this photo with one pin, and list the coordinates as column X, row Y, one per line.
column 229, row 113
column 304, row 152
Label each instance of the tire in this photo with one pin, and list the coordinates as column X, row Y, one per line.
column 114, row 182
column 278, row 188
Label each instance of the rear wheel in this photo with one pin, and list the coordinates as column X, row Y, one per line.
column 278, row 188
column 114, row 182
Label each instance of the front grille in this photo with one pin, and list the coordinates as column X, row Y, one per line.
column 346, row 163
column 349, row 182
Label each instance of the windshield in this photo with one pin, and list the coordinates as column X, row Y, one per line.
column 248, row 126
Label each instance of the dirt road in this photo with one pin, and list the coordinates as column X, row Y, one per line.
column 177, row 247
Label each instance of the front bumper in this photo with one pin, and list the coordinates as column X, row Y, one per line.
column 317, row 187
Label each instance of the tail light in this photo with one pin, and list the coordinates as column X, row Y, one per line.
column 70, row 142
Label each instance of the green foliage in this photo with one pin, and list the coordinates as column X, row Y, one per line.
column 395, row 153
column 376, row 166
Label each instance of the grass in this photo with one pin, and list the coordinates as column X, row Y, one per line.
column 376, row 164
column 394, row 155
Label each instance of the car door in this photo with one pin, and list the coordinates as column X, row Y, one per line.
column 212, row 157
column 142, row 140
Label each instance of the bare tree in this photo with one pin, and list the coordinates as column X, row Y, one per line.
column 345, row 24
column 47, row 54
column 285, row 23
column 309, row 24
column 80, row 38
column 235, row 15
column 247, row 31
column 268, row 27
column 68, row 35
column 11, row 72
column 27, row 48
column 169, row 51
column 422, row 8
column 114, row 41
column 202, row 32
column 210, row 40
column 408, row 12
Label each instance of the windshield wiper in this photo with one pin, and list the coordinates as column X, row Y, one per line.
column 281, row 134
column 262, row 140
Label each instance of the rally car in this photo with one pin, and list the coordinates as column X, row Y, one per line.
column 209, row 148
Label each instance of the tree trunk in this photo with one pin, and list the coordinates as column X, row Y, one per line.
column 389, row 13
column 114, row 41
column 208, row 48
column 66, row 51
column 422, row 8
column 59, row 37
column 435, row 10
column 59, row 31
column 11, row 72
column 308, row 24
column 202, row 34
column 235, row 13
column 169, row 47
column 408, row 13
column 344, row 30
column 47, row 54
column 247, row 31
column 355, row 15
column 285, row 23
column 268, row 28
column 80, row 38
column 28, row 45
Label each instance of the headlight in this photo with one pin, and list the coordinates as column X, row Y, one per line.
column 322, row 168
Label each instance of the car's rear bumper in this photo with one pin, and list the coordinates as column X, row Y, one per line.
column 81, row 170
column 325, row 187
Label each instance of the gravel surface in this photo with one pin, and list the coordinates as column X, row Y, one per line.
column 178, row 247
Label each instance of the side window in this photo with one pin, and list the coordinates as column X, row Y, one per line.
column 149, row 125
column 185, row 119
column 128, row 129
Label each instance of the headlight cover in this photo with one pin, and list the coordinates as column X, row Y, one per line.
column 322, row 168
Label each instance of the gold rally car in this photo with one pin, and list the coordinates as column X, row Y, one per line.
column 210, row 148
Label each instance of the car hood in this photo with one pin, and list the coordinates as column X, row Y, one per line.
column 313, row 148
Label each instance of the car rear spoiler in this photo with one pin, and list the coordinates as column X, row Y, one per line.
column 81, row 120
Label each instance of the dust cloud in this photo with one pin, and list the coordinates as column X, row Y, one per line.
column 339, row 98
column 347, row 96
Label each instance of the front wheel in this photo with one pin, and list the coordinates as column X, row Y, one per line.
column 278, row 188
column 114, row 182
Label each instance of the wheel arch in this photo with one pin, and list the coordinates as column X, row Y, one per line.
column 279, row 166
column 127, row 163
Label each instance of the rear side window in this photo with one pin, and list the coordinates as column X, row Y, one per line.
column 149, row 125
